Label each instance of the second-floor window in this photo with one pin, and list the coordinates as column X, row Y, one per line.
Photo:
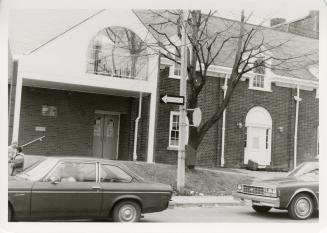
column 118, row 52
column 258, row 81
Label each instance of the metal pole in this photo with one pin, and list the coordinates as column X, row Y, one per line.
column 137, row 127
column 182, row 109
column 297, row 99
column 222, row 159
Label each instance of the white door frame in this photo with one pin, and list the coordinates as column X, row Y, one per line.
column 112, row 113
column 258, row 117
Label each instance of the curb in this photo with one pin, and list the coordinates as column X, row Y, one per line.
column 173, row 205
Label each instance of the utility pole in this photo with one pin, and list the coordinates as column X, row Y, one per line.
column 182, row 110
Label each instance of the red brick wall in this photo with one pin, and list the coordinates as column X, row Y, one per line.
column 279, row 103
column 71, row 132
column 308, row 124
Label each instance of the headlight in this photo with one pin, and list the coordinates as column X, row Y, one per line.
column 239, row 187
column 272, row 192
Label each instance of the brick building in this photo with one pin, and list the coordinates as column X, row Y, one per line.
column 86, row 101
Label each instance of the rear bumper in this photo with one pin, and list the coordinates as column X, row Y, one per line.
column 258, row 200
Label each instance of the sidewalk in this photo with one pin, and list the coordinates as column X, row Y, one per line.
column 203, row 201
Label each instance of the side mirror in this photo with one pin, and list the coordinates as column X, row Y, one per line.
column 54, row 180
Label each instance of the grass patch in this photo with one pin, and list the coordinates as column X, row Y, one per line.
column 197, row 181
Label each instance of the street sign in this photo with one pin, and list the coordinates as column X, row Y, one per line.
column 172, row 99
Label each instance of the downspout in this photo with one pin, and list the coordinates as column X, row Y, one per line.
column 222, row 157
column 137, row 127
column 297, row 99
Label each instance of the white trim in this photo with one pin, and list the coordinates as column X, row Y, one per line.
column 173, row 113
column 152, row 125
column 273, row 77
column 18, row 100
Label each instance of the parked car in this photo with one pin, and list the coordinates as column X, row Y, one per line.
column 298, row 192
column 63, row 188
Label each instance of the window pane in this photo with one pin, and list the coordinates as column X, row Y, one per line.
column 75, row 172
column 111, row 173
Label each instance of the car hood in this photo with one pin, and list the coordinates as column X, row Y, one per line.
column 275, row 181
column 287, row 180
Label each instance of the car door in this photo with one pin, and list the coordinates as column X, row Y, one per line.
column 70, row 190
column 116, row 184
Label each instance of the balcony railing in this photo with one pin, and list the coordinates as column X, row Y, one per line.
column 116, row 62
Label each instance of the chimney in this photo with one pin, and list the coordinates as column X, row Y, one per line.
column 276, row 21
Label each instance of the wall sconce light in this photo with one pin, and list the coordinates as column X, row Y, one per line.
column 239, row 125
column 280, row 129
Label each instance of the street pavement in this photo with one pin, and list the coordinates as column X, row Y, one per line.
column 221, row 214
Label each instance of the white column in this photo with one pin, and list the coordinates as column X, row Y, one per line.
column 222, row 159
column 152, row 125
column 18, row 98
column 297, row 99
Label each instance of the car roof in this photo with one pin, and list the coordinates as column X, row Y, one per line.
column 83, row 159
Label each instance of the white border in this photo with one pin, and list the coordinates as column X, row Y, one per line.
column 153, row 227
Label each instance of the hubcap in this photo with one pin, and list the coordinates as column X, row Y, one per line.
column 127, row 213
column 303, row 207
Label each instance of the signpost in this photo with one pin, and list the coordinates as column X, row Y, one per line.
column 182, row 110
column 172, row 99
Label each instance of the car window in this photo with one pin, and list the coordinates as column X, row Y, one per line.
column 110, row 173
column 304, row 168
column 74, row 172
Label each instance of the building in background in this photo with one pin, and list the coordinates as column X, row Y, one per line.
column 80, row 83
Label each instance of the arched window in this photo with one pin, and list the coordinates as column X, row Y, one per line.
column 117, row 52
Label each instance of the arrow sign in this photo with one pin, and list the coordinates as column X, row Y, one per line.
column 172, row 99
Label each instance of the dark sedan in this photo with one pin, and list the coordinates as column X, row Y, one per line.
column 63, row 188
column 298, row 192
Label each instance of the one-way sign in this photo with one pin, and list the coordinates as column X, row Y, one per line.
column 172, row 99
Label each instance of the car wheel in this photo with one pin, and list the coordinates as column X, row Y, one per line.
column 301, row 207
column 127, row 211
column 261, row 209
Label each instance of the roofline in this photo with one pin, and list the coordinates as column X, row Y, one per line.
column 64, row 32
column 288, row 22
column 265, row 27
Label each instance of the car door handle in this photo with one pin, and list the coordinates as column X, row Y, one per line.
column 96, row 188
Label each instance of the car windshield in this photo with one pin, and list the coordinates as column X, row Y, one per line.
column 38, row 169
column 304, row 169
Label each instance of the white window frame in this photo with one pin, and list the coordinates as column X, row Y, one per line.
column 172, row 71
column 172, row 114
column 175, row 147
column 266, row 78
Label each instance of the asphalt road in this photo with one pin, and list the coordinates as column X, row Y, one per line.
column 221, row 214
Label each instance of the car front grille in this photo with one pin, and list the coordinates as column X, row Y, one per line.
column 253, row 190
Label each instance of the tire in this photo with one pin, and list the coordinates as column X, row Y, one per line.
column 301, row 207
column 127, row 211
column 261, row 209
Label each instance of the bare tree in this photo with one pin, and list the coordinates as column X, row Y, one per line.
column 253, row 49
